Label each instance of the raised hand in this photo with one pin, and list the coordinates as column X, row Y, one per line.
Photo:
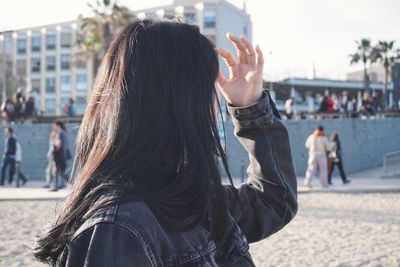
column 244, row 86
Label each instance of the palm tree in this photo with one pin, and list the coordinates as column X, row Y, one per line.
column 362, row 53
column 97, row 32
column 385, row 53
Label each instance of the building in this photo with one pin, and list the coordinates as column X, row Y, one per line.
column 215, row 18
column 47, row 62
column 375, row 71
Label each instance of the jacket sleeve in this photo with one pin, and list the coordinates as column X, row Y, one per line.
column 268, row 201
column 105, row 244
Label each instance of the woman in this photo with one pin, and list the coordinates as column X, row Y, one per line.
column 147, row 188
column 60, row 153
column 51, row 164
column 335, row 158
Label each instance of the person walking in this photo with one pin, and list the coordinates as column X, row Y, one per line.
column 9, row 110
column 18, row 169
column 335, row 158
column 147, row 185
column 50, row 172
column 61, row 154
column 10, row 148
column 318, row 146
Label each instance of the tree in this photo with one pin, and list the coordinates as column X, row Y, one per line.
column 97, row 32
column 363, row 54
column 385, row 53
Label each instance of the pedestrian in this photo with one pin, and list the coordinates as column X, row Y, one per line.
column 9, row 110
column 344, row 102
column 18, row 168
column 10, row 148
column 318, row 146
column 367, row 105
column 147, row 189
column 69, row 109
column 330, row 104
column 324, row 104
column 61, row 154
column 30, row 107
column 350, row 107
column 335, row 158
column 290, row 108
column 50, row 172
column 19, row 106
column 336, row 104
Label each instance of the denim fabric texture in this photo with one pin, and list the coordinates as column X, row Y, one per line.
column 128, row 233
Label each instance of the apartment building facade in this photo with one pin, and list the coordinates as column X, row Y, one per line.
column 47, row 62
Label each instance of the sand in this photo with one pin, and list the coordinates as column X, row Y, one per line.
column 331, row 229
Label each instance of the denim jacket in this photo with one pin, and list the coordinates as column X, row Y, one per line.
column 128, row 234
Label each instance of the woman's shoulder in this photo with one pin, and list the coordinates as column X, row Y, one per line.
column 104, row 240
column 123, row 214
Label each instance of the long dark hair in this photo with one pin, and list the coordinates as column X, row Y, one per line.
column 153, row 103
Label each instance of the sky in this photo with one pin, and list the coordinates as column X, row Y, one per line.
column 294, row 35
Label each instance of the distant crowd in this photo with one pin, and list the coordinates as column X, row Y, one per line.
column 18, row 108
column 370, row 105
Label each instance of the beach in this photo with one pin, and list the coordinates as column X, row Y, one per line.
column 330, row 229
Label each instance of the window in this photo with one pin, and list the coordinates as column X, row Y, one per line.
column 50, row 63
column 65, row 62
column 35, row 85
column 50, row 105
column 51, row 41
column 35, row 43
column 65, row 83
column 35, row 64
column 50, row 85
column 21, row 67
column 21, row 46
column 209, row 18
column 66, row 39
column 81, row 84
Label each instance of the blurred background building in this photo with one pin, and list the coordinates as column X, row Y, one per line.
column 47, row 62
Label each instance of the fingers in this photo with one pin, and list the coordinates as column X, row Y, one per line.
column 221, row 80
column 251, row 55
column 228, row 57
column 260, row 56
column 240, row 48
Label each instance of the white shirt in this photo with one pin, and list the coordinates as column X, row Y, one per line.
column 290, row 106
column 317, row 145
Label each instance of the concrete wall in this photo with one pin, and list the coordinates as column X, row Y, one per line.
column 364, row 143
column 34, row 140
